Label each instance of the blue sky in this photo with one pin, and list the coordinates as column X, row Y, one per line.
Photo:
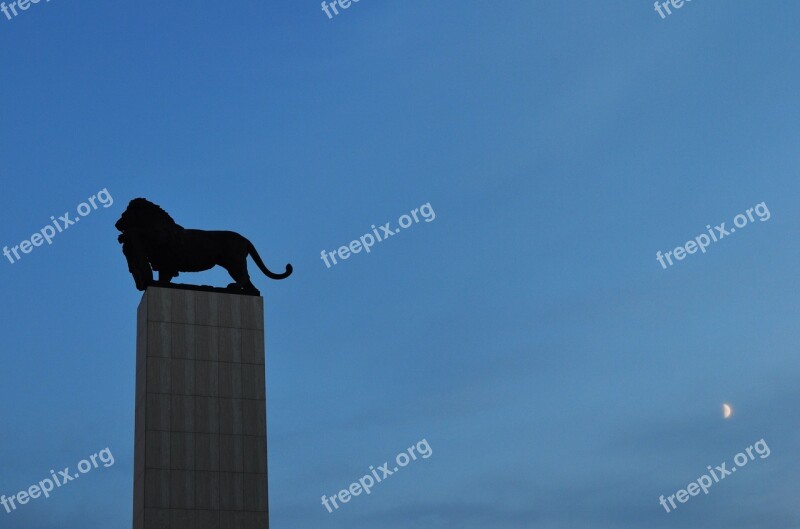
column 560, row 375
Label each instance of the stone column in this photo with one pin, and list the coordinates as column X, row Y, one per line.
column 200, row 458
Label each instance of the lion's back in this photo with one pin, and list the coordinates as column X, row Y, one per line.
column 217, row 237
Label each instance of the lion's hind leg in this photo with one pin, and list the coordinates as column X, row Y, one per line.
column 242, row 277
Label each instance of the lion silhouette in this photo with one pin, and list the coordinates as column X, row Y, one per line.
column 152, row 241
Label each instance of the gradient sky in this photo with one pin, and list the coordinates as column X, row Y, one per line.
column 561, row 377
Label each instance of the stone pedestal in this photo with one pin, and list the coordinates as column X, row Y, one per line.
column 200, row 459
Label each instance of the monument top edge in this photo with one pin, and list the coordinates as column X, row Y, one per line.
column 202, row 288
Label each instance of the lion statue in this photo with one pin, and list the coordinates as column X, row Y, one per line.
column 151, row 240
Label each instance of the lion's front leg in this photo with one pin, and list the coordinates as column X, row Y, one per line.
column 165, row 277
column 138, row 265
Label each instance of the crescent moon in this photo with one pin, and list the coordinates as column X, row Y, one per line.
column 727, row 411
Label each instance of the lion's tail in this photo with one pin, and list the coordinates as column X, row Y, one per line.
column 251, row 250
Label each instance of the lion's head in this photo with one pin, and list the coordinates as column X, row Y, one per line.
column 144, row 215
